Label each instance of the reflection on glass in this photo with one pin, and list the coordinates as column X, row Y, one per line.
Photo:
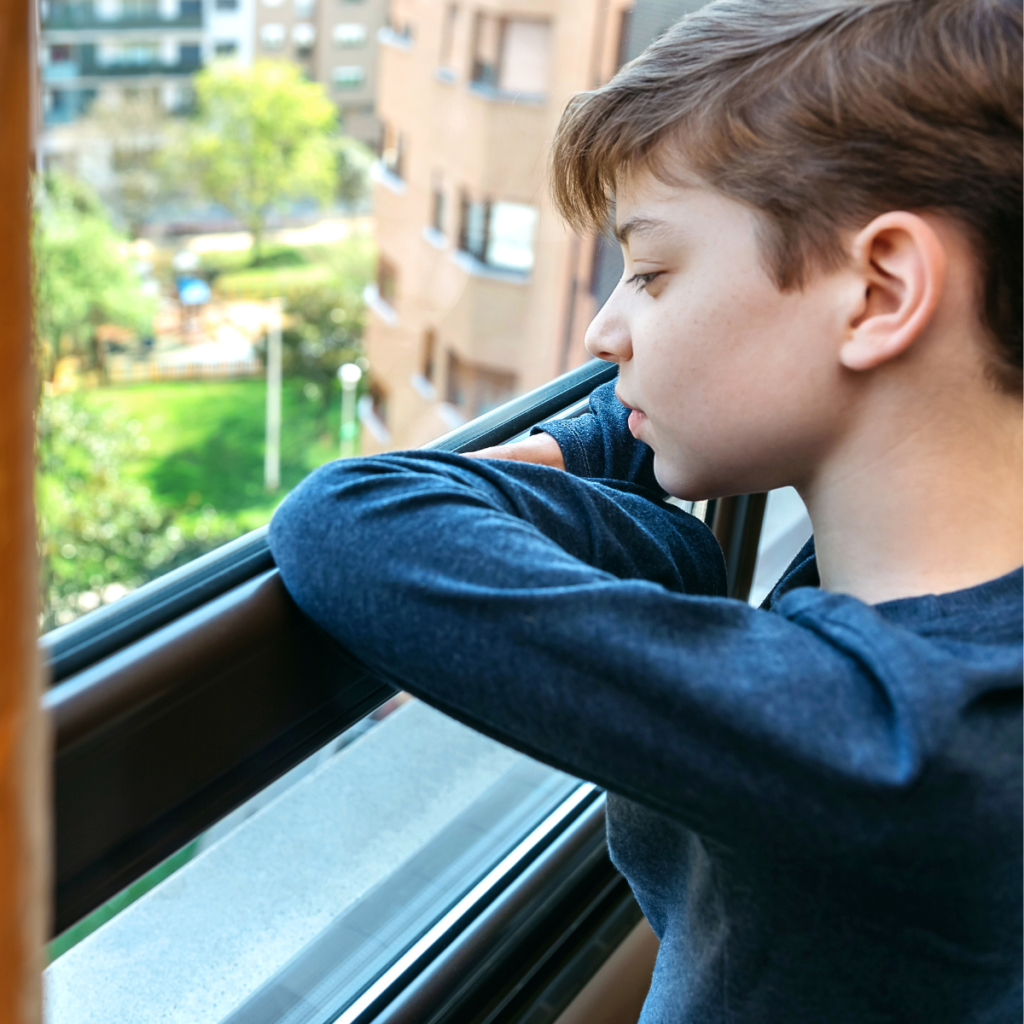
column 290, row 908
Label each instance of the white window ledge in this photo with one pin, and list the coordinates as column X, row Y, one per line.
column 471, row 265
column 495, row 95
column 371, row 296
column 369, row 419
column 380, row 174
column 423, row 387
column 389, row 37
column 446, row 75
column 435, row 238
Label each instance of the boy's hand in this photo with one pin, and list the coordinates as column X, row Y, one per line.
column 541, row 449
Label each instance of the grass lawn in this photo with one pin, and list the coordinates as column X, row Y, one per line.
column 207, row 442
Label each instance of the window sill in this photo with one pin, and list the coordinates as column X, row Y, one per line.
column 435, row 238
column 373, row 423
column 423, row 387
column 389, row 37
column 203, row 941
column 493, row 94
column 472, row 266
column 446, row 75
column 452, row 417
column 380, row 174
column 371, row 296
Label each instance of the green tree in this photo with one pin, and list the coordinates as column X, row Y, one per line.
column 83, row 275
column 261, row 135
column 100, row 532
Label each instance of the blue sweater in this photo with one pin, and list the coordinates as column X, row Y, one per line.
column 817, row 804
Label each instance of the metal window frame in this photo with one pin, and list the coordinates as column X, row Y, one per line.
column 185, row 698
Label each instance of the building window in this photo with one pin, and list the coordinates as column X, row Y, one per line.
column 190, row 9
column 349, row 35
column 225, row 48
column 189, row 55
column 272, row 3
column 272, row 35
column 303, row 36
column 387, row 281
column 226, row 5
column 438, row 205
column 349, row 76
column 622, row 50
column 304, row 8
column 499, row 235
column 451, row 18
column 474, row 389
column 379, row 403
column 428, row 365
column 511, row 55
column 392, row 151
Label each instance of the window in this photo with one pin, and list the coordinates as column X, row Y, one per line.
column 348, row 76
column 272, row 35
column 438, row 204
column 511, row 55
column 387, row 281
column 499, row 235
column 189, row 55
column 392, row 153
column 428, row 365
column 475, row 389
column 303, row 36
column 451, row 17
column 622, row 50
column 225, row 48
column 304, row 8
column 226, row 5
column 379, row 402
column 349, row 35
column 190, row 9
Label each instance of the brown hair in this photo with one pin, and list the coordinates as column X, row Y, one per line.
column 822, row 115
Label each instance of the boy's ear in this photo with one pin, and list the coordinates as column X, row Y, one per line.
column 902, row 264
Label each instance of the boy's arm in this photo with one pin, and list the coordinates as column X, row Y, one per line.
column 596, row 445
column 572, row 620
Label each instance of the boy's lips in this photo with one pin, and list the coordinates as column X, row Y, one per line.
column 637, row 418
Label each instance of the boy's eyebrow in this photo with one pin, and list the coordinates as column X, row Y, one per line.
column 638, row 225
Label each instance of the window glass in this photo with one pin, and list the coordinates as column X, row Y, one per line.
column 419, row 131
column 510, row 239
column 348, row 76
column 349, row 34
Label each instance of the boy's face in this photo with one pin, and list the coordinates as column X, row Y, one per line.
column 735, row 385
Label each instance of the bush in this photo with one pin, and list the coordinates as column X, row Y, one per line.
column 269, row 282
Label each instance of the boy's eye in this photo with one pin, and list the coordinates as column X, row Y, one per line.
column 643, row 280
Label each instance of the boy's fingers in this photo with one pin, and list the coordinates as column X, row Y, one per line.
column 540, row 449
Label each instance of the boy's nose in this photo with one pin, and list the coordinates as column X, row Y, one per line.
column 608, row 335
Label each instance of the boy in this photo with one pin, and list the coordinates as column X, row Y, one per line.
column 818, row 804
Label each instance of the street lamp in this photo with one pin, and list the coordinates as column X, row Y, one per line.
column 349, row 374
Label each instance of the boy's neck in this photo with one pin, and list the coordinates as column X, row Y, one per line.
column 935, row 507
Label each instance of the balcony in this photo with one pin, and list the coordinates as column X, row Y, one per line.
column 64, row 16
column 89, row 67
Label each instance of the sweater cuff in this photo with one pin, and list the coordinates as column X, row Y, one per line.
column 574, row 451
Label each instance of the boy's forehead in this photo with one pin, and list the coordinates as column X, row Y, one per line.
column 647, row 205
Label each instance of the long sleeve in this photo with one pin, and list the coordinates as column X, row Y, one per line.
column 583, row 623
column 598, row 444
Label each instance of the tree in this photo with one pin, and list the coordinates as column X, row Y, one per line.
column 83, row 275
column 101, row 533
column 127, row 140
column 261, row 135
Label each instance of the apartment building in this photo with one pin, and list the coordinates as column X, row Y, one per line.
column 481, row 291
column 93, row 48
column 336, row 43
